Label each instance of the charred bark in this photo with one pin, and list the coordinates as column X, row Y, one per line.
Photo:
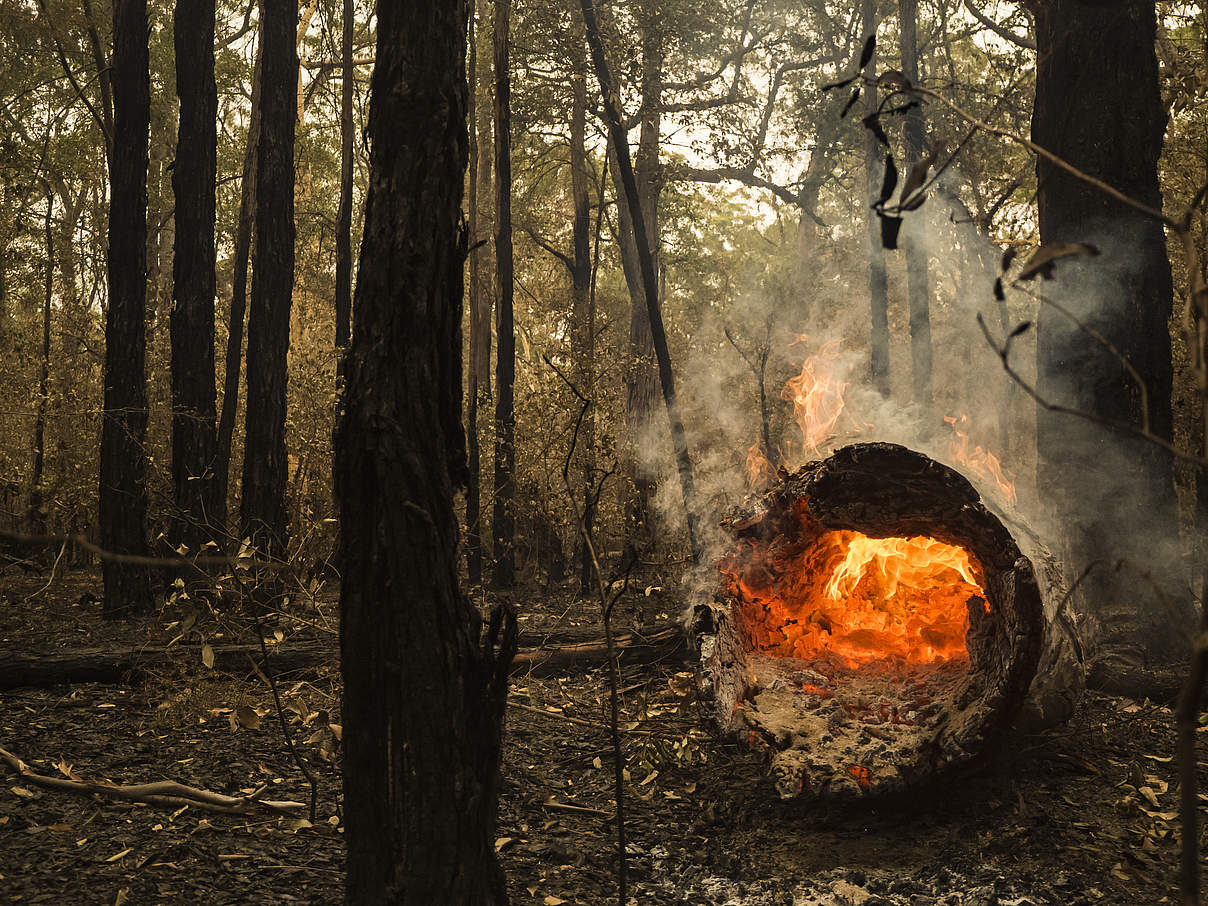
column 123, row 481
column 421, row 770
column 882, row 490
column 1098, row 106
column 503, row 519
column 192, row 319
column 263, row 515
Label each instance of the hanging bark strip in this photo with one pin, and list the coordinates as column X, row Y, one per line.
column 616, row 130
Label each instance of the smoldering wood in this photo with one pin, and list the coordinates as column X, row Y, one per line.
column 885, row 490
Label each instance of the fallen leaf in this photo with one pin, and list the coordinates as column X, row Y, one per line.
column 23, row 792
column 296, row 824
column 501, row 843
column 597, row 763
column 551, row 900
column 248, row 717
column 122, row 896
column 124, row 852
column 207, row 656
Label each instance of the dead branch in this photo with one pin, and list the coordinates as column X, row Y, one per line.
column 163, row 793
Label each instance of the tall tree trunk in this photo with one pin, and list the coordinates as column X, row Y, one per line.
column 918, row 282
column 344, row 216
column 263, row 515
column 424, row 690
column 582, row 309
column 878, row 280
column 37, row 513
column 238, row 312
column 479, row 386
column 1098, row 106
column 650, row 288
column 192, row 318
column 123, row 481
column 504, row 516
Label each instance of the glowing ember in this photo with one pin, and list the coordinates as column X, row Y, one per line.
column 817, row 395
column 975, row 459
column 843, row 597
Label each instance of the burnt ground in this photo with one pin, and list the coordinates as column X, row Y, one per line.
column 1082, row 814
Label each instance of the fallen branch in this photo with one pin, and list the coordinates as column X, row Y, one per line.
column 166, row 793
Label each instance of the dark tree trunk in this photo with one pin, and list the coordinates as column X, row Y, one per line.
column 123, row 484
column 344, row 216
column 582, row 303
column 423, row 689
column 650, row 290
column 480, row 327
column 192, row 318
column 263, row 515
column 504, row 516
column 1098, row 107
column 878, row 280
column 37, row 514
column 918, row 282
column 234, row 350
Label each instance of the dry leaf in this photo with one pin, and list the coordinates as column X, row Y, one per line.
column 597, row 763
column 207, row 656
column 122, row 896
column 502, row 843
column 124, row 852
column 296, row 824
column 248, row 717
column 23, row 792
column 550, row 899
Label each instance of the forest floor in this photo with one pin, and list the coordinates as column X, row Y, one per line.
column 1086, row 813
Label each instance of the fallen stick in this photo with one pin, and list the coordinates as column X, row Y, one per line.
column 163, row 793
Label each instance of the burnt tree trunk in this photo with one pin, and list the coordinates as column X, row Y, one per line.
column 36, row 510
column 123, row 482
column 344, row 215
column 503, row 520
column 878, row 279
column 819, row 743
column 424, row 689
column 238, row 312
column 1098, row 106
column 263, row 515
column 917, row 280
column 192, row 319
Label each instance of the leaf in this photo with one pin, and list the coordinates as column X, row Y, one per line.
column 842, row 83
column 870, row 47
column 296, row 824
column 1020, row 329
column 551, row 900
column 597, row 763
column 873, row 124
column 851, row 102
column 23, row 792
column 889, row 230
column 1048, row 255
column 122, row 896
column 116, row 856
column 248, row 717
column 1008, row 256
column 998, row 293
column 914, row 202
column 207, row 656
column 890, row 181
column 918, row 173
column 501, row 843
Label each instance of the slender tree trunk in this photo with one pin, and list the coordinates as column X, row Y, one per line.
column 37, row 514
column 192, row 318
column 620, row 143
column 234, row 350
column 1098, row 106
column 264, row 516
column 504, row 516
column 878, row 280
column 123, row 482
column 582, row 310
column 917, row 279
column 344, row 216
column 424, row 689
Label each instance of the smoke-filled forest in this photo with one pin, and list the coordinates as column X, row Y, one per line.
column 725, row 452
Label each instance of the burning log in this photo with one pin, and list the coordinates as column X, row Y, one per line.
column 875, row 625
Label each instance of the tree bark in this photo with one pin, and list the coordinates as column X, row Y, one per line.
column 263, row 516
column 477, row 335
column 36, row 513
column 917, row 279
column 123, row 467
column 503, row 521
column 878, row 280
column 344, row 215
column 234, row 350
column 423, row 689
column 616, row 130
column 192, row 319
column 1098, row 106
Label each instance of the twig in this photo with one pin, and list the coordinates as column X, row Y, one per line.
column 164, row 792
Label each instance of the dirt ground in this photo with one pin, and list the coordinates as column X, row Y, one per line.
column 1083, row 814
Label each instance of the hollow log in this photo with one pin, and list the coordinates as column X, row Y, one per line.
column 838, row 721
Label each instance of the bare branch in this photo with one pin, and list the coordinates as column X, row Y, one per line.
column 1005, row 33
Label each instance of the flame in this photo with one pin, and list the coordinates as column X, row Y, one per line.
column 761, row 474
column 979, row 461
column 817, row 394
column 851, row 599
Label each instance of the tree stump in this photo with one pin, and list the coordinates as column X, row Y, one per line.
column 810, row 654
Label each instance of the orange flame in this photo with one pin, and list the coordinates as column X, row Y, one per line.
column 761, row 474
column 851, row 599
column 817, row 395
column 979, row 461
